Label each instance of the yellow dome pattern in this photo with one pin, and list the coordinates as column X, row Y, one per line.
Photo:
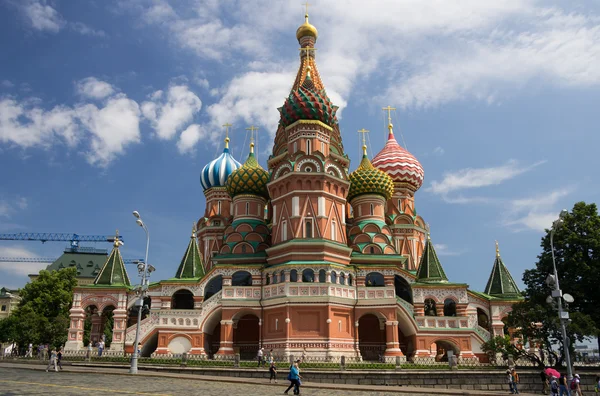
column 306, row 29
column 367, row 179
column 250, row 178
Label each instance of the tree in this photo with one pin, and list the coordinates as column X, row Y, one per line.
column 42, row 315
column 577, row 253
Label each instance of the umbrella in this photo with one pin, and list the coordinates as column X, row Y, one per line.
column 552, row 372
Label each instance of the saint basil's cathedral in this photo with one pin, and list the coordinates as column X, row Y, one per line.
column 304, row 257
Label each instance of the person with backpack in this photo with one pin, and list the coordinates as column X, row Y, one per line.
column 52, row 361
column 509, row 379
column 576, row 386
column 294, row 378
column 554, row 386
column 515, row 381
column 272, row 370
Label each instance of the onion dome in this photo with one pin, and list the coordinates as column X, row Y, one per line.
column 216, row 172
column 401, row 165
column 250, row 178
column 306, row 29
column 308, row 103
column 367, row 179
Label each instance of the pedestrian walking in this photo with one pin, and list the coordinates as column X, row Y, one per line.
column 29, row 353
column 563, row 386
column 100, row 348
column 89, row 351
column 576, row 386
column 52, row 361
column 509, row 379
column 515, row 379
column 59, row 358
column 259, row 356
column 45, row 352
column 40, row 348
column 294, row 377
column 139, row 349
column 554, row 386
column 304, row 355
column 272, row 371
column 545, row 382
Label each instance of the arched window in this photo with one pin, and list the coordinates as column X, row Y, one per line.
column 372, row 210
column 308, row 148
column 374, row 279
column 323, row 147
column 308, row 275
column 333, row 230
column 284, row 230
column 219, row 207
column 268, row 279
column 342, row 279
column 308, row 229
column 372, row 250
column 449, row 307
column 403, row 289
column 241, row 278
column 482, row 319
column 213, row 287
column 243, row 248
column 322, row 276
column 295, row 146
column 247, row 207
column 429, row 307
column 333, row 277
column 293, row 276
column 182, row 299
column 274, row 277
column 282, row 276
column 349, row 280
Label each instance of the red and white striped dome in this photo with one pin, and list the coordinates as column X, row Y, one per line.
column 401, row 165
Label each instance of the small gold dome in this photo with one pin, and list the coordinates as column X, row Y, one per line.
column 306, row 29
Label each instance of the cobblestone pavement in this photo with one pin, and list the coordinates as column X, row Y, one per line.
column 15, row 381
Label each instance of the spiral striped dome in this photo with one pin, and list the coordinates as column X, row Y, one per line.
column 216, row 172
column 401, row 165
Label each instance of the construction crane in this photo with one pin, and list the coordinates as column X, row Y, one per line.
column 74, row 239
column 50, row 260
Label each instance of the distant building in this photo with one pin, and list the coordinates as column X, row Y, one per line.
column 88, row 261
column 9, row 299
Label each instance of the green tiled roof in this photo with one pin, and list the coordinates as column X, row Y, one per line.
column 430, row 269
column 501, row 283
column 113, row 272
column 88, row 264
column 191, row 263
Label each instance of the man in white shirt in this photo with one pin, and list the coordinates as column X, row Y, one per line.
column 260, row 355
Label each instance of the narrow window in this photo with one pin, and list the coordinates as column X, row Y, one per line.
column 372, row 211
column 219, row 207
column 276, row 324
column 308, row 146
column 295, row 146
column 323, row 147
column 243, row 248
column 284, row 230
column 333, row 230
column 340, row 326
column 308, row 231
column 247, row 208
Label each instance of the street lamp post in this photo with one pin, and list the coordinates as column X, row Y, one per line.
column 563, row 316
column 143, row 271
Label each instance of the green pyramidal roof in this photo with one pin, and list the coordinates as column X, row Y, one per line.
column 191, row 263
column 430, row 269
column 113, row 272
column 501, row 283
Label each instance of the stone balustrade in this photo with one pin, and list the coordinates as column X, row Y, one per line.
column 241, row 292
column 184, row 318
column 372, row 293
column 443, row 322
column 308, row 290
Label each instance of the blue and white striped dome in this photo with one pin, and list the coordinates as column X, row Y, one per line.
column 216, row 172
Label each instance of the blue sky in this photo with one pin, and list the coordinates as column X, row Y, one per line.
column 112, row 106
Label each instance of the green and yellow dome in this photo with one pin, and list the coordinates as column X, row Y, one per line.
column 250, row 178
column 367, row 179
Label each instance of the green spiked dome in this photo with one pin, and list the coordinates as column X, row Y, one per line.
column 430, row 268
column 191, row 263
column 367, row 179
column 250, row 178
column 113, row 272
column 501, row 283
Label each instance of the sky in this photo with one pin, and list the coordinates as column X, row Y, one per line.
column 116, row 105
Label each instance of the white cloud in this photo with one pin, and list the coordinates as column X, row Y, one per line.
column 170, row 114
column 535, row 213
column 86, row 30
column 113, row 127
column 22, row 268
column 93, row 88
column 7, row 84
column 189, row 138
column 439, row 150
column 443, row 250
column 470, row 178
column 43, row 17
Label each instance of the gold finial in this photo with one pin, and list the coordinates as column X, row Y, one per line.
column 117, row 243
column 252, row 130
column 193, row 230
column 497, row 250
column 389, row 110
column 364, row 139
column 428, row 230
column 306, row 13
column 227, row 126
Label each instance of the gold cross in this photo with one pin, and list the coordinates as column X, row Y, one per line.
column 306, row 5
column 389, row 110
column 227, row 125
column 252, row 129
column 307, row 50
column 364, row 135
column 497, row 250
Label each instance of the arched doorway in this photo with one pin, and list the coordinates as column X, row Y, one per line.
column 241, row 278
column 374, row 279
column 371, row 337
column 403, row 289
column 150, row 345
column 182, row 299
column 212, row 333
column 246, row 336
column 90, row 327
column 132, row 314
column 107, row 325
column 213, row 287
column 441, row 350
column 483, row 319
